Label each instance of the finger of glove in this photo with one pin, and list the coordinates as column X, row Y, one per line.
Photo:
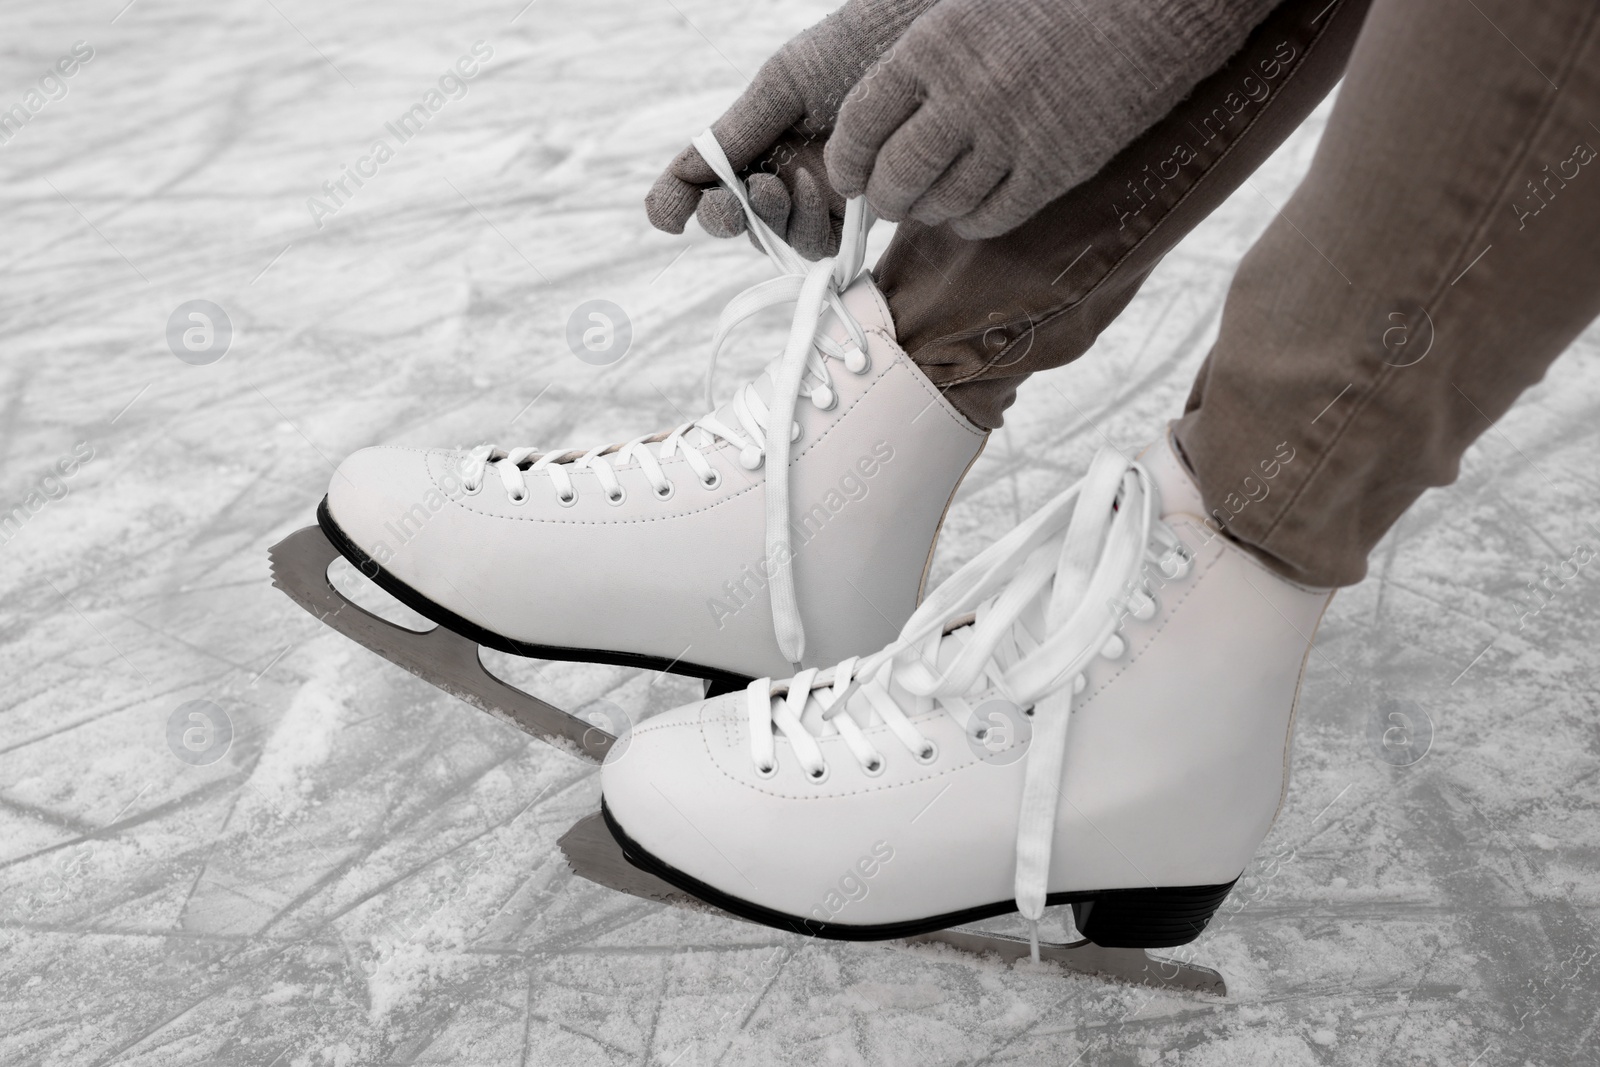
column 1011, row 203
column 813, row 227
column 720, row 214
column 770, row 199
column 880, row 104
column 959, row 191
column 798, row 153
column 913, row 158
column 670, row 202
column 767, row 108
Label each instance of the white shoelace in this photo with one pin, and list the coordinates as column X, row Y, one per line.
column 764, row 432
column 1033, row 610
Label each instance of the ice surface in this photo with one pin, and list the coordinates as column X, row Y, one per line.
column 367, row 872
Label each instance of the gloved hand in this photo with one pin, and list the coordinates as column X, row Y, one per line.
column 774, row 134
column 984, row 112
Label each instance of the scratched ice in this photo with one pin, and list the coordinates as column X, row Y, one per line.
column 349, row 867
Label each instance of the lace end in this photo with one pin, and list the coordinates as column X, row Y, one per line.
column 1033, row 939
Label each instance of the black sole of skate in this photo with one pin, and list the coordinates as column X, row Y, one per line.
column 448, row 656
column 1110, row 918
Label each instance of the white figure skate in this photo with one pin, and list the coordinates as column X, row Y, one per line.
column 1096, row 710
column 791, row 526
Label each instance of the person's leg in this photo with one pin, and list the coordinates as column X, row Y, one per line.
column 979, row 316
column 1442, row 251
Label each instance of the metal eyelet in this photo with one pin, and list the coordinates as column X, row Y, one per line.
column 818, row 776
column 768, row 771
column 1181, row 559
column 712, row 482
column 928, row 753
column 567, row 499
column 616, row 499
column 874, row 766
column 664, row 492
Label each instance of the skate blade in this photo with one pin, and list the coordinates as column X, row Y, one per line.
column 594, row 855
column 1085, row 957
column 438, row 656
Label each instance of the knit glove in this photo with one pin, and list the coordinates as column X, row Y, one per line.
column 984, row 112
column 774, row 134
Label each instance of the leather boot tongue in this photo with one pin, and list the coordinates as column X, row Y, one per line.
column 1179, row 493
column 862, row 300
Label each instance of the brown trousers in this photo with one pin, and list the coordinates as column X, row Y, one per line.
column 1442, row 251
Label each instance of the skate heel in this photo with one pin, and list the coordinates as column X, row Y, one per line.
column 1148, row 918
